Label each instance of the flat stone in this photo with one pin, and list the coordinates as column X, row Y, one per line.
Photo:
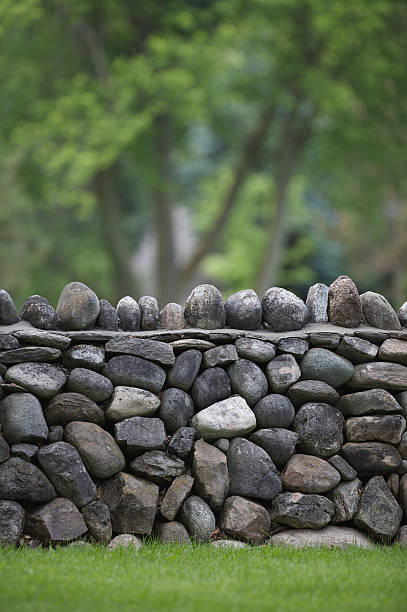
column 210, row 469
column 243, row 310
column 282, row 372
column 274, row 411
column 175, row 496
column 127, row 402
column 205, row 308
column 346, row 497
column 387, row 428
column 367, row 402
column 402, row 314
column 85, row 356
column 393, row 350
column 98, row 522
column 23, row 481
column 41, row 379
column 129, row 314
column 357, row 350
column 220, row 356
column 67, row 407
column 294, row 346
column 283, row 310
column 140, row 434
column 279, row 443
column 130, row 371
column 132, row 503
column 177, row 408
column 385, row 375
column 345, row 470
column 255, row 350
column 39, row 312
column 182, row 441
column 78, row 307
column 108, row 317
column 212, row 386
column 327, row 340
column 369, row 458
column 311, row 391
column 158, row 467
column 42, row 338
column 12, row 518
column 92, row 384
column 373, row 335
column 29, row 353
column 245, row 520
column 379, row 514
column 150, row 318
column 247, row 380
column 25, row 451
column 57, row 521
column 233, row 544
column 319, row 429
column 192, row 343
column 377, row 311
column 344, row 306
column 172, row 316
column 7, row 342
column 302, row 511
column 23, row 419
column 326, row 366
column 226, row 419
column 100, row 453
column 8, row 311
column 332, row 537
column 309, row 474
column 198, row 518
column 185, row 369
column 317, row 303
column 172, row 533
column 4, row 450
column 153, row 350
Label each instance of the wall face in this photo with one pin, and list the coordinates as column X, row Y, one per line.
column 250, row 435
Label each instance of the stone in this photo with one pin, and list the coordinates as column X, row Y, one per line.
column 172, row 533
column 176, row 410
column 247, row 380
column 204, row 308
column 39, row 312
column 108, row 317
column 344, row 306
column 373, row 335
column 402, row 314
column 23, row 481
column 23, row 419
column 42, row 338
column 305, row 391
column 97, row 519
column 85, row 356
column 252, row 473
column 78, row 307
column 30, row 353
column 127, row 402
column 92, row 384
column 402, row 446
column 379, row 514
column 129, row 314
column 274, row 411
column 393, row 483
column 403, row 494
column 283, row 310
column 222, row 444
column 317, row 303
column 293, row 346
column 212, row 386
column 319, row 429
column 220, row 356
column 125, row 540
column 243, row 310
column 63, row 466
column 302, row 511
column 57, row 521
column 140, row 434
column 402, row 402
column 377, row 311
column 385, row 375
column 321, row 364
column 130, row 371
column 7, row 342
column 182, row 441
column 255, row 350
column 153, row 350
column 279, row 443
column 309, row 474
column 233, row 544
column 185, row 369
column 172, row 316
column 392, row 350
column 210, row 470
column 387, row 428
column 244, row 519
column 402, row 536
column 150, row 318
column 175, row 496
column 332, row 537
column 4, row 450
column 357, row 350
column 192, row 343
column 132, row 503
column 55, row 433
column 326, row 340
column 367, row 402
column 12, row 518
column 41, row 379
column 282, row 372
column 8, row 312
column 369, row 458
column 158, row 467
column 67, row 407
column 403, row 467
column 25, row 451
column 346, row 497
column 198, row 518
column 100, row 453
column 226, row 419
column 345, row 470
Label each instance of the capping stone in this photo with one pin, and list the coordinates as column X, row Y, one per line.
column 205, row 308
column 153, row 350
column 78, row 307
column 283, row 310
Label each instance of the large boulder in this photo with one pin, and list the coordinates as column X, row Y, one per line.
column 158, row 467
column 78, row 307
column 321, row 364
column 369, row 458
column 367, row 402
column 153, row 350
column 319, row 429
column 23, row 419
column 210, row 387
column 309, row 474
column 379, row 514
column 245, row 520
column 243, row 310
column 385, row 375
column 317, row 303
column 210, row 469
column 255, row 350
column 312, row 391
column 95, row 386
column 175, row 496
column 332, row 537
column 198, row 518
column 127, row 402
column 100, row 453
column 279, row 443
column 344, row 307
column 283, row 310
column 248, row 380
column 387, row 428
column 67, row 407
column 131, row 371
column 98, row 521
column 299, row 510
column 176, row 410
column 12, row 518
column 41, row 379
column 282, row 372
column 129, row 314
column 377, row 311
column 274, row 410
column 226, row 419
column 140, row 434
column 23, row 481
column 185, row 369
column 205, row 308
column 57, row 521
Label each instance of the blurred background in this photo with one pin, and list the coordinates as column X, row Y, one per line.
column 149, row 146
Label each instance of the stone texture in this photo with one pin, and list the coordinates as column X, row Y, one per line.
column 326, row 366
column 220, row 356
column 85, row 356
column 25, row 451
column 23, row 481
column 57, row 521
column 98, row 522
column 403, row 494
column 125, row 540
column 42, row 338
column 150, row 318
column 369, row 458
column 234, row 544
column 95, row 386
column 255, row 350
column 294, row 346
column 326, row 340
column 302, row 511
column 191, row 343
column 345, row 470
column 312, row 390
column 317, row 303
column 67, row 407
column 153, row 350
column 319, row 429
column 402, row 536
column 100, row 453
column 176, row 410
column 283, row 310
column 309, row 474
column 222, row 444
column 8, row 312
column 198, row 518
column 175, row 496
column 182, row 441
column 387, row 428
column 108, row 317
column 282, row 372
column 210, row 469
column 346, row 497
column 7, row 342
column 379, row 514
column 129, row 314
column 158, row 466
column 393, row 483
column 245, row 520
column 247, row 380
column 274, row 411
column 392, row 376
column 212, row 386
column 140, row 434
column 4, row 450
column 41, row 379
column 357, row 350
column 172, row 316
column 29, row 353
column 205, row 308
column 172, row 533
column 39, row 312
column 23, row 419
column 402, row 314
column 377, row 311
column 277, row 442
column 78, row 307
column 243, row 310
column 130, row 371
column 402, row 447
column 332, row 537
column 394, row 350
column 127, row 402
column 367, row 402
column 226, row 419
column 344, row 307
column 185, row 369
column 12, row 518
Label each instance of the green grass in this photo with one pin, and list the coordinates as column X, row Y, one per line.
column 200, row 578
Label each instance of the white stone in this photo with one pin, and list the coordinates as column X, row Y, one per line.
column 130, row 401
column 317, row 303
column 333, row 537
column 229, row 544
column 226, row 419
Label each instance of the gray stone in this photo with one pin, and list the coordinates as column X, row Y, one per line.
column 392, row 376
column 312, row 390
column 129, row 314
column 220, row 356
column 140, row 434
column 67, row 407
column 7, row 342
column 191, row 343
column 125, row 540
column 4, row 450
column 393, row 483
column 39, row 313
column 255, row 350
column 357, row 350
column 345, row 470
column 100, row 453
column 402, row 536
column 283, row 310
column 394, row 350
column 403, row 494
column 198, row 518
column 211, row 474
column 245, row 520
column 42, row 338
column 172, row 316
column 92, row 384
column 321, row 364
column 317, row 303
column 32, row 299
column 387, row 428
column 127, row 402
column 85, row 356
column 132, row 503
column 277, row 442
column 23, row 481
column 97, row 519
column 369, row 458
column 182, row 441
column 325, row 340
column 402, row 314
column 332, row 537
column 222, row 444
column 57, row 521
column 319, row 429
column 294, row 346
column 377, row 311
column 212, row 386
column 12, row 518
column 185, row 369
column 302, row 511
column 226, row 419
column 282, row 372
column 344, row 307
column 55, row 434
column 373, row 335
column 150, row 318
column 309, row 474
column 403, row 467
column 243, row 310
column 367, row 402
column 402, row 402
column 379, row 514
column 274, row 411
column 131, row 371
column 30, row 353
column 24, row 451
column 233, row 544
column 158, row 466
column 172, row 533
column 247, row 380
column 8, row 312
column 41, row 379
column 23, row 419
column 153, row 350
column 346, row 497
column 402, row 446
column 108, row 317
column 175, row 496
column 176, row 410
column 78, row 307
column 205, row 308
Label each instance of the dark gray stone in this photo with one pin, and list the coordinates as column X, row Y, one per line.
column 369, row 458
column 85, row 356
column 23, row 481
column 282, row 372
column 32, row 299
column 8, row 312
column 129, row 314
column 357, row 350
column 346, row 497
column 274, row 411
column 283, row 310
column 7, row 342
column 247, row 380
column 182, row 442
column 402, row 314
column 57, row 521
column 377, row 311
column 92, row 384
column 78, row 307
column 30, row 353
column 172, row 316
column 299, row 510
column 394, row 350
column 388, row 428
column 345, row 470
column 317, row 303
column 158, row 466
column 312, row 390
column 42, row 338
column 153, row 350
column 309, row 474
column 211, row 474
column 41, row 379
column 367, row 402
column 326, row 340
column 222, row 444
column 373, row 335
column 319, row 429
column 277, row 442
column 198, row 518
column 55, row 434
column 135, row 372
column 210, row 387
column 321, row 364
column 12, row 518
column 385, row 375
column 98, row 522
column 175, row 496
column 39, row 312
column 23, row 419
column 4, row 450
column 402, row 446
column 100, row 453
column 150, row 318
column 245, row 520
column 220, row 356
column 294, row 346
column 402, row 402
column 140, row 434
column 108, row 317
column 344, row 307
column 24, row 451
column 185, row 369
column 172, row 533
column 403, row 494
column 176, row 410
column 379, row 514
column 67, row 407
column 255, row 350
column 243, row 310
column 127, row 402
column 226, row 419
column 205, row 308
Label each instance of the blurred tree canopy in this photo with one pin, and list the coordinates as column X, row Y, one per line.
column 280, row 125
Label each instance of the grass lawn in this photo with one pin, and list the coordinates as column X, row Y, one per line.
column 201, row 578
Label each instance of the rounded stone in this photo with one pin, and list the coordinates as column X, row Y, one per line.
column 274, row 411
column 385, row 375
column 8, row 311
column 97, row 519
column 283, row 310
column 255, row 350
column 176, row 409
column 108, row 317
column 372, row 458
column 185, row 369
column 344, row 306
column 377, row 311
column 299, row 510
column 92, row 384
column 85, row 356
column 57, row 521
column 282, row 372
column 39, row 312
column 125, row 540
column 78, row 307
column 244, row 519
column 23, row 419
column 321, row 364
column 172, row 316
column 317, row 303
column 243, row 310
column 23, row 481
column 204, row 308
column 129, row 314
column 211, row 474
column 312, row 390
column 367, row 402
column 381, row 428
column 226, row 419
column 319, row 429
column 309, row 474
column 210, row 387
column 131, row 371
column 248, row 380
column 127, row 402
column 67, row 407
column 338, row 537
column 41, row 379
column 279, row 443
column 172, row 533
column 198, row 518
column 150, row 318
column 402, row 314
